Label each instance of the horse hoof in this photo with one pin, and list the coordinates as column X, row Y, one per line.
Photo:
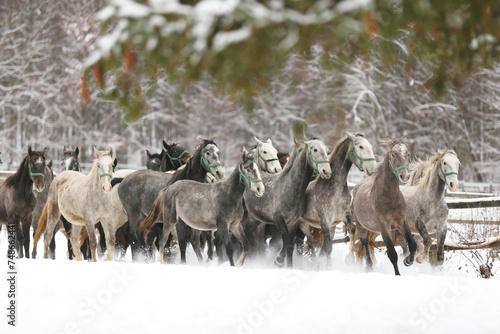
column 279, row 264
column 407, row 262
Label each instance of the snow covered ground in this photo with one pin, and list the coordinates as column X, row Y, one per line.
column 65, row 296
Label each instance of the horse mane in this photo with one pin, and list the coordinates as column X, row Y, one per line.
column 288, row 166
column 14, row 179
column 425, row 179
column 341, row 141
column 417, row 171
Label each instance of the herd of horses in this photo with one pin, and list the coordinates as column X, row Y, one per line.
column 187, row 198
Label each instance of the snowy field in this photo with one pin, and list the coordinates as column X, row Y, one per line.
column 65, row 296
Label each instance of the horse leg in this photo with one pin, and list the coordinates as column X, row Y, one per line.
column 210, row 247
column 412, row 245
column 110, row 235
column 363, row 237
column 182, row 236
column 222, row 229
column 195, row 242
column 391, row 251
column 350, row 227
column 441, row 236
column 422, row 230
column 167, row 229
column 327, row 242
column 102, row 239
column 26, row 225
column 238, row 231
column 311, row 243
column 219, row 248
column 75, row 241
column 89, row 225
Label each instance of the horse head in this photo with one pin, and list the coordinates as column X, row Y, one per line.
column 448, row 166
column 154, row 160
column 70, row 159
column 210, row 159
column 36, row 167
column 361, row 153
column 105, row 166
column 267, row 156
column 399, row 159
column 317, row 157
column 175, row 156
column 250, row 174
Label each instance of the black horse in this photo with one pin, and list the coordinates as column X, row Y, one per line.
column 18, row 194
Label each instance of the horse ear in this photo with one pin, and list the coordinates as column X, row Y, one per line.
column 351, row 135
column 115, row 163
column 148, row 154
column 165, row 144
column 259, row 142
column 111, row 151
column 64, row 148
column 269, row 141
column 29, row 150
column 96, row 153
column 49, row 164
column 44, row 151
column 77, row 151
column 245, row 154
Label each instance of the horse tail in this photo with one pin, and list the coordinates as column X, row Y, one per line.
column 155, row 214
column 360, row 250
column 42, row 225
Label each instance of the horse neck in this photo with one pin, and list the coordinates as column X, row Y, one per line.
column 24, row 181
column 387, row 179
column 237, row 188
column 341, row 163
column 300, row 174
column 436, row 185
column 193, row 170
column 93, row 177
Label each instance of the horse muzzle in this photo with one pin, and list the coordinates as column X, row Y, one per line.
column 259, row 189
column 219, row 172
column 404, row 176
column 453, row 186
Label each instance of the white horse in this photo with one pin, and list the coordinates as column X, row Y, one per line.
column 84, row 200
column 267, row 156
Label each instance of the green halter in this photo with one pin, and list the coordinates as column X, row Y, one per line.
column 203, row 161
column 398, row 168
column 178, row 159
column 105, row 174
column 32, row 179
column 265, row 161
column 361, row 160
column 446, row 174
column 316, row 162
column 249, row 179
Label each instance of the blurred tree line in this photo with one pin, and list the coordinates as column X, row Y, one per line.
column 131, row 74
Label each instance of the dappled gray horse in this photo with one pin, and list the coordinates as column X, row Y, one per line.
column 329, row 200
column 426, row 205
column 204, row 206
column 379, row 206
column 284, row 201
column 139, row 190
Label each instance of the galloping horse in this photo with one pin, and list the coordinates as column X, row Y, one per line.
column 208, row 207
column 427, row 209
column 139, row 190
column 329, row 200
column 284, row 201
column 18, row 194
column 84, row 200
column 379, row 206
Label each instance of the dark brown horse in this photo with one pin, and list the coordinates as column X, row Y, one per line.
column 18, row 194
column 379, row 206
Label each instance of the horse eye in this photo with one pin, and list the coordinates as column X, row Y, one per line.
column 265, row 152
column 444, row 163
column 315, row 150
column 361, row 147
